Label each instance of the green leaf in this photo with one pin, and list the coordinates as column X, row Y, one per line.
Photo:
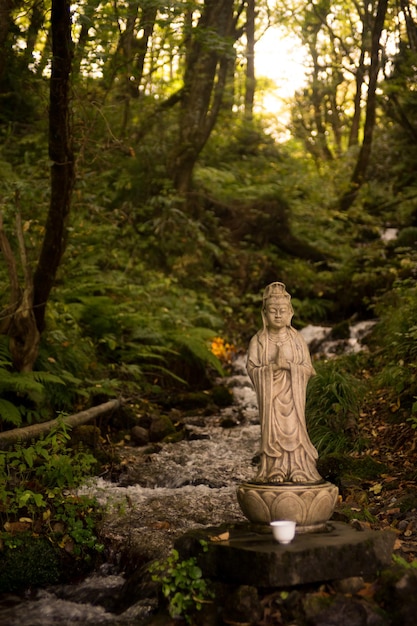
column 9, row 413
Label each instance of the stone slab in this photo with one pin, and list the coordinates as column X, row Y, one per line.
column 238, row 555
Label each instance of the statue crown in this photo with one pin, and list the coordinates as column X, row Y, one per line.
column 276, row 291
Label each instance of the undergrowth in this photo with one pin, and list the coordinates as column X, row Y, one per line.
column 333, row 402
column 38, row 504
column 182, row 584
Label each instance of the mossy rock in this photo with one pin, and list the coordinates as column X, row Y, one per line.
column 33, row 562
column 86, row 435
column 184, row 401
column 192, row 400
column 368, row 468
column 332, row 467
column 160, row 428
column 222, row 396
column 124, row 418
column 336, row 467
column 29, row 561
column 174, row 437
column 341, row 330
column 397, row 592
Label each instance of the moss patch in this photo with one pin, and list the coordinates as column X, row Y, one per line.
column 31, row 562
column 337, row 467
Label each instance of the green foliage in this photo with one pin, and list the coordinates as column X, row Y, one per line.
column 150, row 276
column 148, row 332
column 24, row 396
column 333, row 402
column 396, row 336
column 401, row 561
column 182, row 585
column 36, row 501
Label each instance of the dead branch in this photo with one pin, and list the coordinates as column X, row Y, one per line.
column 10, row 437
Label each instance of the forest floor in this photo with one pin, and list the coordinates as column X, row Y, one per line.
column 390, row 500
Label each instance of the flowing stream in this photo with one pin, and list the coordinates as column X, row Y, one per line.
column 160, row 495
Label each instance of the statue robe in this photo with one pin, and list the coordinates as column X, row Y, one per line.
column 287, row 453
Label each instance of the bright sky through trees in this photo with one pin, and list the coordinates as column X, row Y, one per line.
column 281, row 58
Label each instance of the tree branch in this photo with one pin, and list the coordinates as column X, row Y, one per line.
column 10, row 437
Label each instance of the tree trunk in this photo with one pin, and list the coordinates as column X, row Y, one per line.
column 27, row 309
column 18, row 321
column 319, row 105
column 250, row 60
column 366, row 19
column 362, row 162
column 60, row 152
column 6, row 7
column 356, row 120
column 209, row 56
column 36, row 23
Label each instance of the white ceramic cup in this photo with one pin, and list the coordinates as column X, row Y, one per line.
column 283, row 530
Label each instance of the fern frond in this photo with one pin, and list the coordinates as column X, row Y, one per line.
column 5, row 357
column 10, row 413
column 196, row 342
column 46, row 377
column 23, row 383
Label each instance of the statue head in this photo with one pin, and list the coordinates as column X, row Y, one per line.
column 275, row 294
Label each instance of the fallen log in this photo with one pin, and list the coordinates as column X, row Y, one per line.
column 9, row 437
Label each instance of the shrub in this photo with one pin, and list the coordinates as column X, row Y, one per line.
column 37, row 504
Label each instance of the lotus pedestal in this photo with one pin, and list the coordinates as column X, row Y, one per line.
column 310, row 505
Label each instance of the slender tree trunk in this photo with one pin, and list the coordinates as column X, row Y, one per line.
column 36, row 23
column 146, row 26
column 61, row 155
column 27, row 311
column 362, row 162
column 319, row 107
column 6, row 7
column 410, row 24
column 356, row 120
column 18, row 321
column 250, row 60
column 366, row 19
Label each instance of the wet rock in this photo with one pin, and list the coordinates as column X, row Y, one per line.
column 229, row 422
column 96, row 590
column 138, row 586
column 341, row 330
column 192, row 400
column 342, row 612
column 242, row 606
column 161, row 426
column 221, row 396
column 349, row 585
column 139, row 435
column 86, row 435
column 398, row 593
column 195, row 434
